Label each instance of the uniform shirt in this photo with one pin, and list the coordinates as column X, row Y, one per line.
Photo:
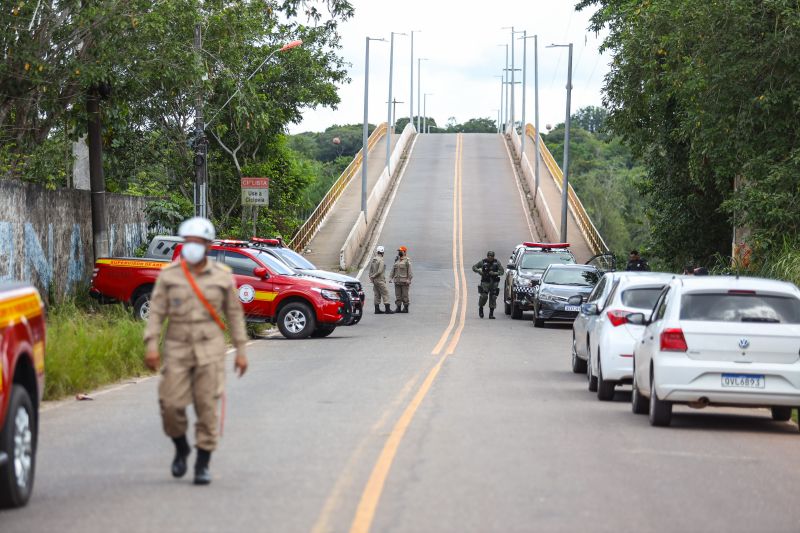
column 377, row 268
column 494, row 268
column 401, row 271
column 191, row 329
column 637, row 265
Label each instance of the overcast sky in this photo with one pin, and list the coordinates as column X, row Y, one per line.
column 461, row 40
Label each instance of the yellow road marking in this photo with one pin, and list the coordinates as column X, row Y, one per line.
column 370, row 498
column 322, row 525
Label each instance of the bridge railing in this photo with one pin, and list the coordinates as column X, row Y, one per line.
column 585, row 223
column 306, row 232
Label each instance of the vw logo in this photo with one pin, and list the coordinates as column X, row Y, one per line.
column 744, row 343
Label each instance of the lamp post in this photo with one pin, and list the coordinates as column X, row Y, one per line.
column 502, row 90
column 365, row 131
column 425, row 112
column 505, row 89
column 565, row 184
column 411, row 91
column 389, row 110
column 419, row 85
column 201, row 158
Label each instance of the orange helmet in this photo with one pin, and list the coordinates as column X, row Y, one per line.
column 403, row 249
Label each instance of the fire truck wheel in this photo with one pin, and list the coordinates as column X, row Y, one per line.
column 141, row 307
column 296, row 320
column 18, row 441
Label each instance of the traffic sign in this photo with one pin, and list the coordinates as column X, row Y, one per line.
column 255, row 191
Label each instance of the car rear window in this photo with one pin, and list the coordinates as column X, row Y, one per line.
column 572, row 276
column 644, row 298
column 542, row 260
column 728, row 307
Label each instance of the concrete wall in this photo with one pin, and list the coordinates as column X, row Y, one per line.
column 46, row 236
column 353, row 245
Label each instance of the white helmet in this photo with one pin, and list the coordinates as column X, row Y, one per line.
column 379, row 249
column 197, row 227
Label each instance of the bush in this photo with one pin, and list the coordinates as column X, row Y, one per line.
column 86, row 349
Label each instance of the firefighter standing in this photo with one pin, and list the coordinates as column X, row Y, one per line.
column 490, row 271
column 377, row 275
column 401, row 276
column 191, row 293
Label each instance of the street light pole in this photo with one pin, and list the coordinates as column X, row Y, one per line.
column 524, row 79
column 419, row 86
column 411, row 91
column 425, row 112
column 565, row 184
column 502, row 90
column 365, row 131
column 536, row 111
column 389, row 129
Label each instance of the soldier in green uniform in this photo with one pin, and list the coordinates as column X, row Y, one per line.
column 491, row 271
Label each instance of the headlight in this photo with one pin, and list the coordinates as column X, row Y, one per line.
column 330, row 295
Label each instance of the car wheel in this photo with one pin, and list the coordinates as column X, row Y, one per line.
column 141, row 307
column 578, row 364
column 639, row 404
column 296, row 320
column 605, row 388
column 781, row 413
column 323, row 330
column 590, row 371
column 516, row 312
column 18, row 441
column 660, row 411
column 537, row 322
column 506, row 303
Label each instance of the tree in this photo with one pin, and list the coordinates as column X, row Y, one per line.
column 707, row 94
column 590, row 118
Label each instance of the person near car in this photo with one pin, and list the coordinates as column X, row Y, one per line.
column 377, row 275
column 490, row 271
column 700, row 271
column 191, row 293
column 636, row 263
column 401, row 277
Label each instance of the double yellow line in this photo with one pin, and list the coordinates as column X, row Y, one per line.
column 368, row 504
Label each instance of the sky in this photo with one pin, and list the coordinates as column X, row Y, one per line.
column 464, row 43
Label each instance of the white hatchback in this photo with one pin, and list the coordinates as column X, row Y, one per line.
column 719, row 340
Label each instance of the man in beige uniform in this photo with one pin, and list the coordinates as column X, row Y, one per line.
column 377, row 275
column 194, row 343
column 401, row 276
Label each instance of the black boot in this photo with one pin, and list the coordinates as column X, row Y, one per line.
column 405, row 308
column 378, row 309
column 182, row 451
column 491, row 313
column 388, row 309
column 398, row 310
column 480, row 311
column 202, row 476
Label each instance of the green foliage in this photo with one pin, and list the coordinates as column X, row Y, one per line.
column 707, row 95
column 473, row 125
column 606, row 178
column 324, row 146
column 88, row 348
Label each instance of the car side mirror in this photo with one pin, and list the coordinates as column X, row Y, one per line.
column 575, row 300
column 637, row 319
column 511, row 267
column 261, row 272
column 590, row 309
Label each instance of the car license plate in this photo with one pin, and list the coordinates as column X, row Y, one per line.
column 575, row 308
column 743, row 381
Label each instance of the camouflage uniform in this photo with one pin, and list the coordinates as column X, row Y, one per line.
column 489, row 289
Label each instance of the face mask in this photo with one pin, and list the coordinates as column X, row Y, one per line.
column 193, row 252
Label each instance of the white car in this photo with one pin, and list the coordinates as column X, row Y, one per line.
column 719, row 340
column 611, row 339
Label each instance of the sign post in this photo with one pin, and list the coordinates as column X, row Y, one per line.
column 255, row 192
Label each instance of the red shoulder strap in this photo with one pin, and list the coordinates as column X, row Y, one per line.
column 201, row 297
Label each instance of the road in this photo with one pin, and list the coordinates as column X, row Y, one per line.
column 406, row 424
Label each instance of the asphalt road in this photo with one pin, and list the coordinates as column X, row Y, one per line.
column 369, row 430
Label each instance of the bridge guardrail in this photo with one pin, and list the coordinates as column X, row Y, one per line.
column 306, row 232
column 581, row 216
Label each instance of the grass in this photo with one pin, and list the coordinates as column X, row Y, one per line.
column 87, row 348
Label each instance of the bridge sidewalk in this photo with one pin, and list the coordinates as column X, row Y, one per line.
column 324, row 248
column 552, row 196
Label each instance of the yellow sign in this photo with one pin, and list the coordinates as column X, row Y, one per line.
column 266, row 296
column 28, row 305
column 133, row 263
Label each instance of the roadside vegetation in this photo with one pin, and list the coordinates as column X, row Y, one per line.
column 88, row 347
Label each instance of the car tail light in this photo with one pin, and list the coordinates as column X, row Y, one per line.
column 672, row 340
column 617, row 317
